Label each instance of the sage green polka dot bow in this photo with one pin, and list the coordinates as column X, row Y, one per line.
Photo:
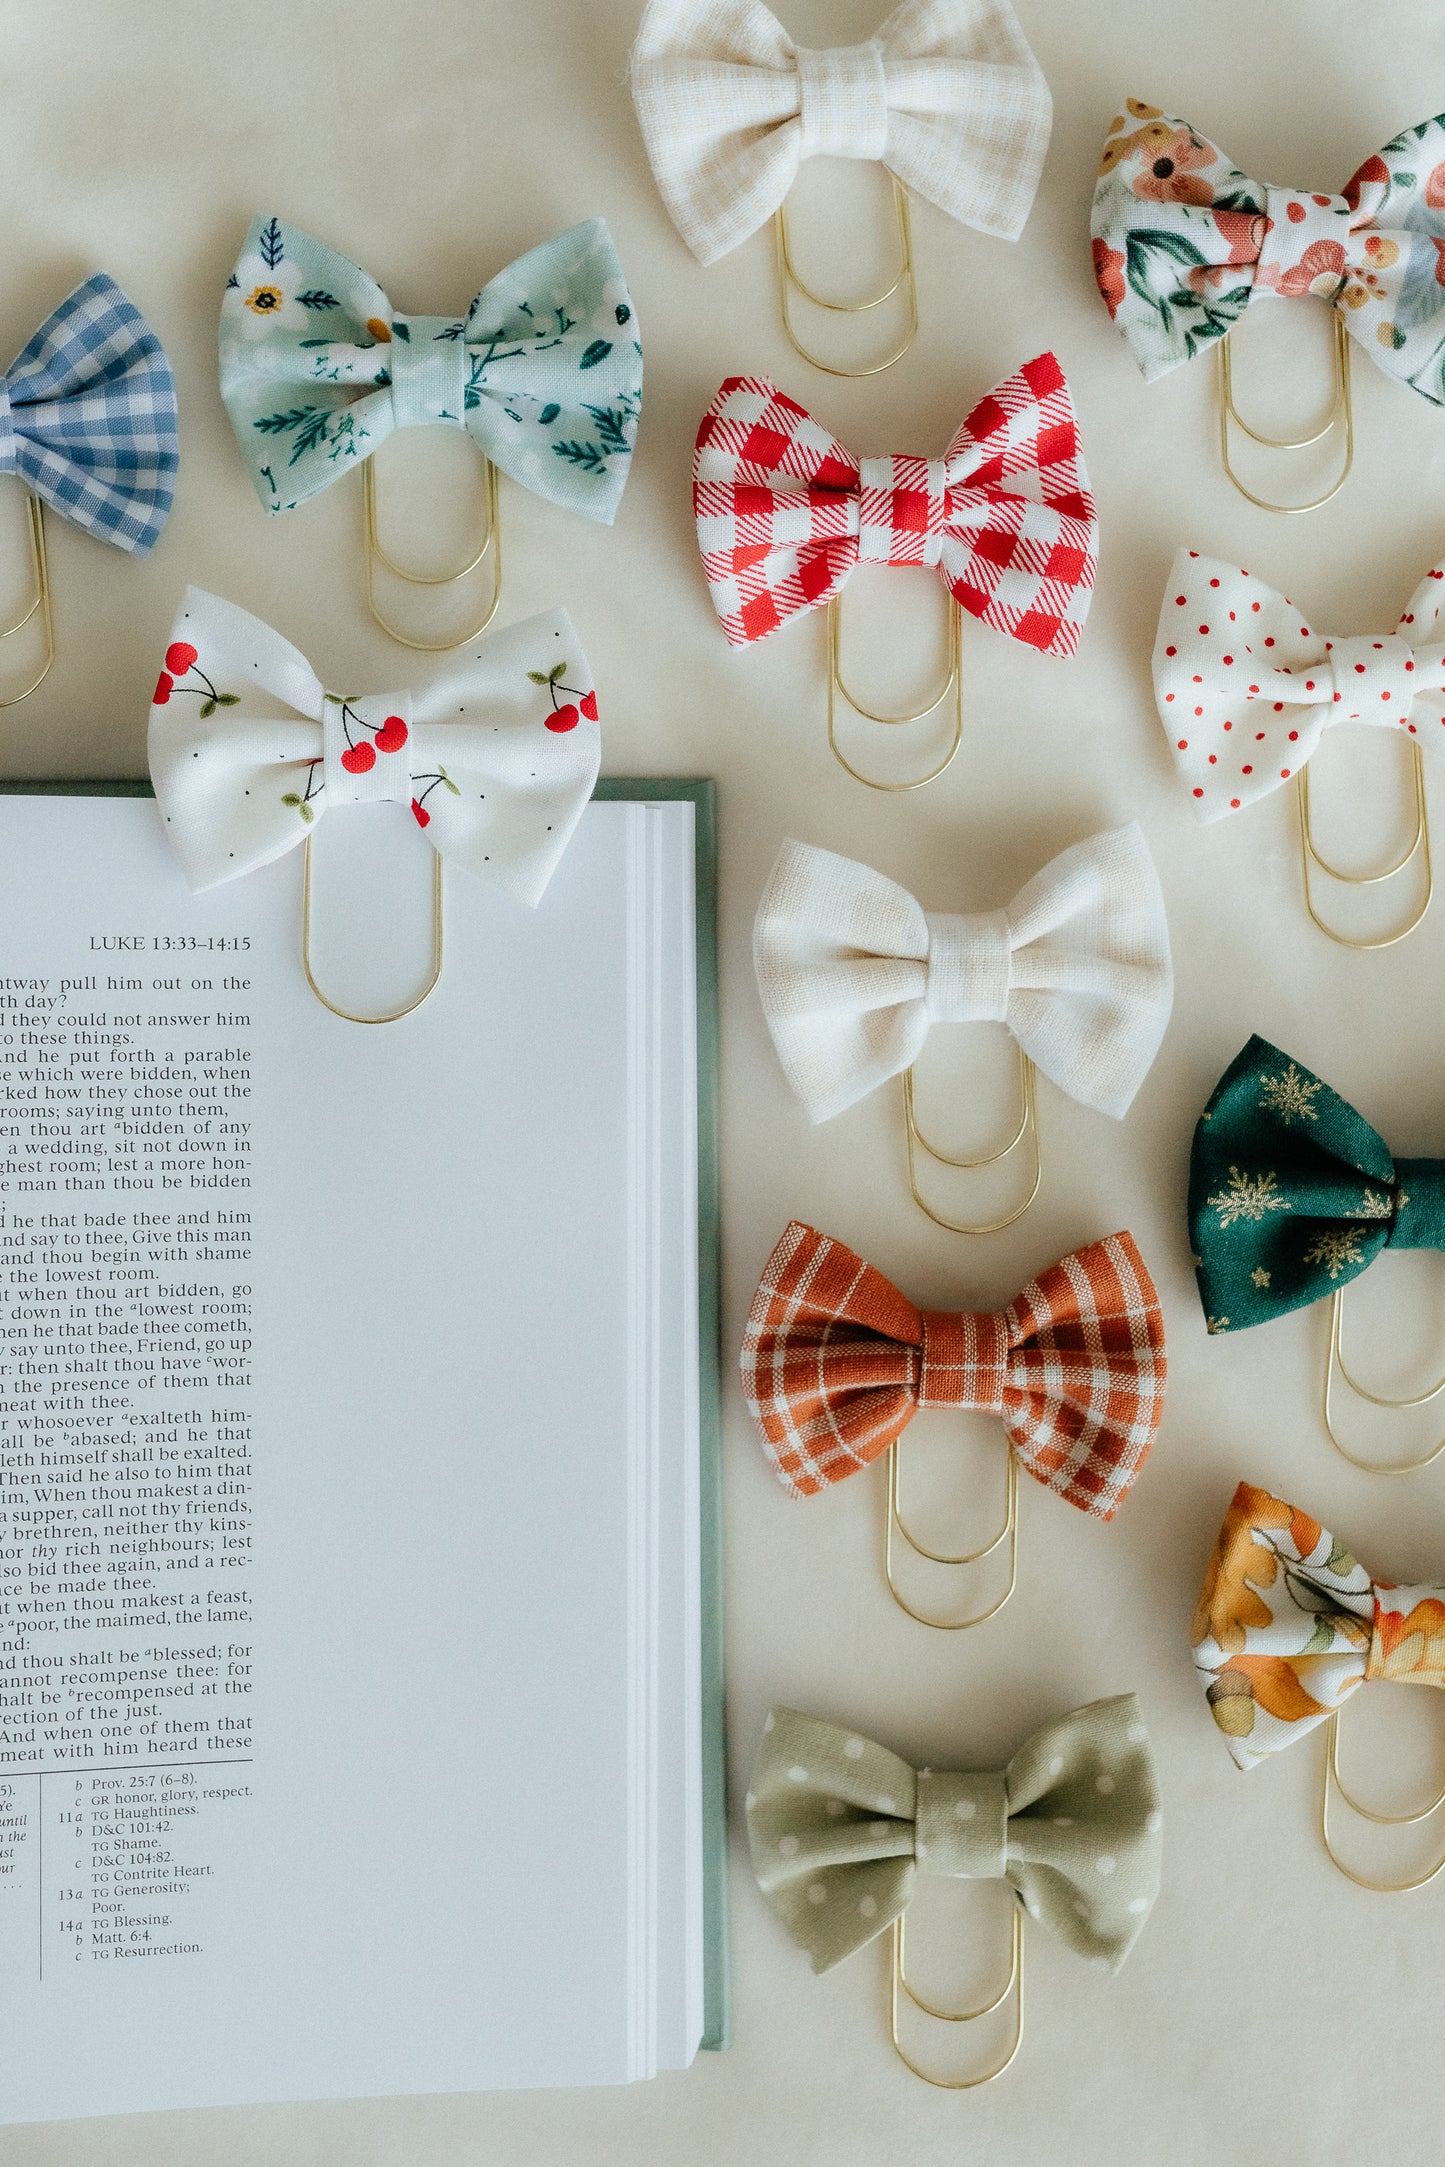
column 1292, row 1194
column 841, row 1829
column 544, row 372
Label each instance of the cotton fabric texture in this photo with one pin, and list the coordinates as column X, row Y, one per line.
column 544, row 372
column 1006, row 517
column 1183, row 242
column 836, row 1363
column 248, row 750
column 88, row 418
column 946, row 94
column 1246, row 687
column 853, row 972
column 842, row 1831
column 1289, row 1624
column 1292, row 1193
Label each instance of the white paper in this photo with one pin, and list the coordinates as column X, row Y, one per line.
column 373, row 1764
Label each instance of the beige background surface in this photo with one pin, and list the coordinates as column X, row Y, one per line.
column 1271, row 2012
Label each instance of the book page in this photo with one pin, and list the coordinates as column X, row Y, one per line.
column 318, row 1487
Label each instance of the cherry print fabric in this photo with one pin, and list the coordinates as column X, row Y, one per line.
column 496, row 757
column 1246, row 685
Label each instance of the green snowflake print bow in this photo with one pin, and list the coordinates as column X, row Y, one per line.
column 1292, row 1193
column 544, row 372
column 841, row 1829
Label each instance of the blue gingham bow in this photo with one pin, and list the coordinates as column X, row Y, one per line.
column 544, row 372
column 88, row 417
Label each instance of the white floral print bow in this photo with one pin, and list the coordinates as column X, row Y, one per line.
column 248, row 750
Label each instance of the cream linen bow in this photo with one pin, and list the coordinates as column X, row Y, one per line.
column 946, row 94
column 853, row 972
column 496, row 758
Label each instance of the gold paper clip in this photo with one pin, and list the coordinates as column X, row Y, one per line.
column 1420, row 842
column 1331, row 1780
column 789, row 282
column 40, row 567
column 952, row 683
column 1341, row 409
column 1028, row 1126
column 377, row 554
column 1335, row 1362
column 393, row 1015
column 1014, row 1984
column 1008, row 1533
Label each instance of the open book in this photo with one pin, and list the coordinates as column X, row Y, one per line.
column 360, row 1723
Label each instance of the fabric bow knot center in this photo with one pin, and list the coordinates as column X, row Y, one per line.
column 1418, row 1199
column 964, row 1361
column 970, row 957
column 1407, row 1635
column 366, row 748
column 428, row 362
column 1376, row 680
column 9, row 443
column 902, row 509
column 842, row 101
column 1304, row 245
column 961, row 1825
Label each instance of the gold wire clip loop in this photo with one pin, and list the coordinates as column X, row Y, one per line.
column 1014, row 1984
column 952, row 683
column 1420, row 841
column 377, row 554
column 40, row 566
column 1331, row 1778
column 393, row 1015
column 789, row 282
column 1009, row 1533
column 1342, row 408
column 1028, row 1126
column 1335, row 1361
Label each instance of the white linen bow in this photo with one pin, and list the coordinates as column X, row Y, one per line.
column 853, row 972
column 946, row 94
column 496, row 758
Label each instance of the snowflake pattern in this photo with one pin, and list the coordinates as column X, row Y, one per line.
column 1291, row 1095
column 1260, row 1277
column 1216, row 1324
column 1374, row 1206
column 1249, row 1197
column 1337, row 1251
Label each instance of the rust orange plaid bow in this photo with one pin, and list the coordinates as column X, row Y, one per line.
column 836, row 1363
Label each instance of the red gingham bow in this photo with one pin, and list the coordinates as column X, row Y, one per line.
column 784, row 512
column 836, row 1363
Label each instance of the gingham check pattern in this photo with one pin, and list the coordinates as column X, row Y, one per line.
column 88, row 417
column 784, row 512
column 836, row 1363
column 946, row 94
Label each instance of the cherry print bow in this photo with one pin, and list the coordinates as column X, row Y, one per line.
column 496, row 758
column 836, row 1363
column 1005, row 517
column 1184, row 241
column 1246, row 687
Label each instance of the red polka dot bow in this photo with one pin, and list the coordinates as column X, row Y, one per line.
column 1005, row 517
column 1246, row 686
column 1184, row 242
column 836, row 1363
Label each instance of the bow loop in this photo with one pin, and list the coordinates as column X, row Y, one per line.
column 496, row 759
column 544, row 372
column 840, row 1829
column 965, row 1360
column 1006, row 516
column 88, row 418
column 853, row 973
column 835, row 1363
column 961, row 1825
column 842, row 101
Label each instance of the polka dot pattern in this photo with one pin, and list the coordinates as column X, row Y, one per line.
column 1255, row 685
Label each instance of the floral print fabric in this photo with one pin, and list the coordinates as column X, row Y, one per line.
column 1289, row 1624
column 1292, row 1193
column 1183, row 241
column 544, row 371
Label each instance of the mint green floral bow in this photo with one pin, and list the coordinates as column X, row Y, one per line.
column 544, row 372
